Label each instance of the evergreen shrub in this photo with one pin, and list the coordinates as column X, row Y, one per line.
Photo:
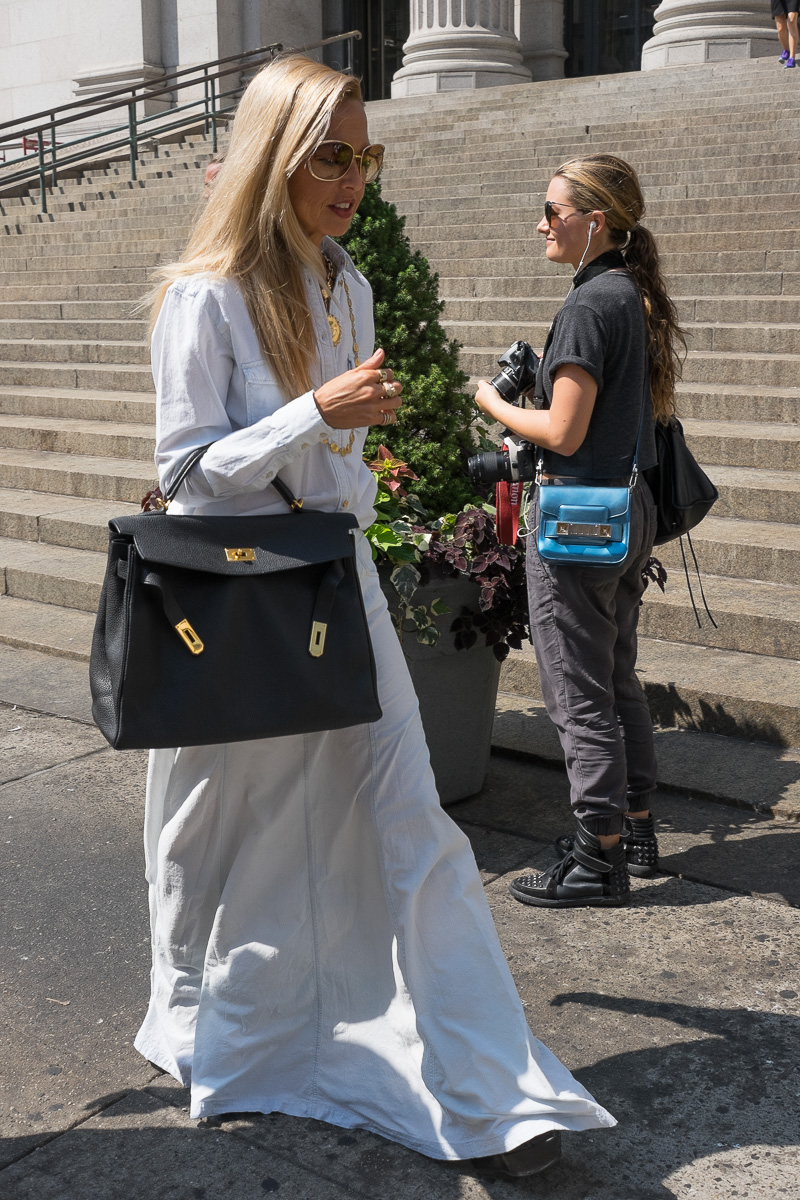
column 432, row 434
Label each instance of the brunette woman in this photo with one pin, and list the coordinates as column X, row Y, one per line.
column 613, row 347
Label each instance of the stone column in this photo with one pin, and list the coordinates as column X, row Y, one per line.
column 541, row 32
column 701, row 31
column 460, row 44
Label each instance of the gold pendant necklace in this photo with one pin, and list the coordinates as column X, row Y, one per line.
column 336, row 329
column 330, row 272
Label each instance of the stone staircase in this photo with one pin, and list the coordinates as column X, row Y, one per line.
column 721, row 173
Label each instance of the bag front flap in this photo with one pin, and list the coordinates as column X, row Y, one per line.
column 239, row 545
column 585, row 505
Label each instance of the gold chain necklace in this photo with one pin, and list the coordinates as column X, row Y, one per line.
column 334, row 447
column 330, row 273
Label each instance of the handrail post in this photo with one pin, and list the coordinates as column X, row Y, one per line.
column 42, row 184
column 53, row 153
column 206, row 99
column 213, row 116
column 132, row 134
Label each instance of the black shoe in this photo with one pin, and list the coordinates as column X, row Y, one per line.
column 528, row 1159
column 641, row 847
column 586, row 875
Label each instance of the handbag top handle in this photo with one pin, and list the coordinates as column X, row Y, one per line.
column 283, row 491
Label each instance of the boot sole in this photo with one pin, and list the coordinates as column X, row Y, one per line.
column 578, row 902
column 641, row 872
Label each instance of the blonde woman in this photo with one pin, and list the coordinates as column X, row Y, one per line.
column 321, row 942
column 610, row 362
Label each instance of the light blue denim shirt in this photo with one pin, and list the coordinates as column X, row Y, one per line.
column 214, row 385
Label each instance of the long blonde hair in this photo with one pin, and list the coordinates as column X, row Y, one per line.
column 608, row 183
column 248, row 230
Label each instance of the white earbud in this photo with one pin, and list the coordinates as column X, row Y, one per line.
column 592, row 227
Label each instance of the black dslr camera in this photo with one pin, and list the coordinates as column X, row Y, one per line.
column 517, row 460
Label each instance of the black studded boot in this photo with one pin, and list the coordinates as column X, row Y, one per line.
column 587, row 875
column 642, row 846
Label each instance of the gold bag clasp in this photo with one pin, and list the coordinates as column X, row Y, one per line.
column 317, row 644
column 190, row 637
column 244, row 554
column 573, row 529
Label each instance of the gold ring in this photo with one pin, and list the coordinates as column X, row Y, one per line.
column 389, row 390
column 386, row 417
column 383, row 376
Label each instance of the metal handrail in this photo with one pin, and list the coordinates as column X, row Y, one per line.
column 213, row 105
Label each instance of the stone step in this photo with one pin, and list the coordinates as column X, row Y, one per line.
column 76, row 290
column 742, row 549
column 85, row 476
column 742, row 695
column 757, row 618
column 67, row 351
column 510, row 276
column 750, row 494
column 701, row 366
column 68, row 310
column 708, row 366
column 435, row 212
column 51, row 574
column 134, row 280
column 51, row 629
column 68, row 435
column 766, row 311
column 62, row 329
column 59, row 520
column 128, row 408
column 717, row 261
column 89, row 376
column 756, row 336
column 745, row 444
column 729, row 401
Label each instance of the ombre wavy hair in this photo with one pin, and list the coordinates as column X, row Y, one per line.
column 608, row 183
column 248, row 230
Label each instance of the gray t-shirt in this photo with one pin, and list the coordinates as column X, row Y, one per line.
column 601, row 328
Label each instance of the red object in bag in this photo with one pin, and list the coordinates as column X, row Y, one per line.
column 508, row 501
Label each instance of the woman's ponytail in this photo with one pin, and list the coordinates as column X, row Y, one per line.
column 666, row 339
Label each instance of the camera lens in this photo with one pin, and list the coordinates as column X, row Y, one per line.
column 489, row 467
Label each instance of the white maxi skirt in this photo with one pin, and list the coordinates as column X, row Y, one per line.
column 322, row 945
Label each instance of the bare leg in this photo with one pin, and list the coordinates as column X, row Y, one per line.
column 780, row 23
column 792, row 34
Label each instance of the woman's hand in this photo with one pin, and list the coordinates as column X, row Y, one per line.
column 489, row 401
column 367, row 395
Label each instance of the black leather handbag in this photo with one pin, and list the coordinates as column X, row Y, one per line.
column 681, row 489
column 227, row 629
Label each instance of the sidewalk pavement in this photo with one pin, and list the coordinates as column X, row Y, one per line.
column 681, row 1012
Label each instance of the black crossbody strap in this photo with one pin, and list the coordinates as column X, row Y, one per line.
column 194, row 457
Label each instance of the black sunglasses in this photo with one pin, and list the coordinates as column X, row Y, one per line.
column 551, row 211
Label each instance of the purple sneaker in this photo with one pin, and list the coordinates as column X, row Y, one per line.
column 784, row 56
column 789, row 62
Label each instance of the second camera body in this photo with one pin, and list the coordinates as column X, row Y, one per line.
column 517, row 459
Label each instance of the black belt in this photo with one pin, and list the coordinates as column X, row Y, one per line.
column 576, row 481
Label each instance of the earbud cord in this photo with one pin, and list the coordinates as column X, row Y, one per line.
column 592, row 228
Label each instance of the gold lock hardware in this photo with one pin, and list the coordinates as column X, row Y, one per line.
column 190, row 637
column 245, row 554
column 572, row 529
column 317, row 643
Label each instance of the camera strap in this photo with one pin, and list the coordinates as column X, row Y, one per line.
column 508, row 500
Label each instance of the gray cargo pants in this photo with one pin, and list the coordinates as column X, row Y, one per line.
column 583, row 624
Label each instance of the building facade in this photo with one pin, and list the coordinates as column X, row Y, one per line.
column 52, row 51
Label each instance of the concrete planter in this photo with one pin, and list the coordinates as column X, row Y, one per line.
column 457, row 691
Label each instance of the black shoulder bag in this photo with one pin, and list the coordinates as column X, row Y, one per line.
column 227, row 629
